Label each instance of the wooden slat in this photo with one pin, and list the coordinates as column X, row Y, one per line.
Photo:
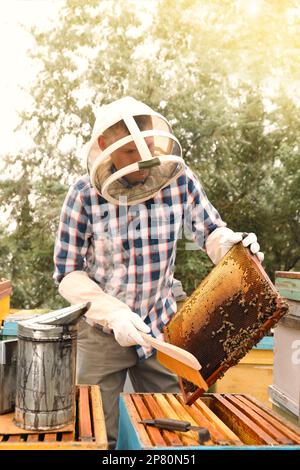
column 51, row 437
column 275, row 415
column 275, row 420
column 287, row 274
column 48, row 446
column 98, row 417
column 135, row 418
column 154, row 433
column 259, row 420
column 15, row 438
column 248, row 431
column 171, row 437
column 217, row 436
column 184, row 415
column 67, row 437
column 186, row 437
column 85, row 424
column 33, row 437
column 214, row 419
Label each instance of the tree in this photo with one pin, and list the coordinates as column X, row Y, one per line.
column 226, row 79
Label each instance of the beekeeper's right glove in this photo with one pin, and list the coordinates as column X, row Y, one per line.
column 108, row 311
column 126, row 326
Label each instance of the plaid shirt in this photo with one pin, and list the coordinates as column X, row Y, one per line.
column 130, row 250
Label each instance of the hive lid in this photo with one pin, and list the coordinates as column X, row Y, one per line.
column 4, row 283
column 288, row 284
column 5, row 287
column 68, row 316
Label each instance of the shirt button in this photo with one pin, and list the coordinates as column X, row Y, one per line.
column 139, row 279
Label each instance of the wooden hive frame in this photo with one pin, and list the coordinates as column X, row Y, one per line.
column 89, row 432
column 229, row 312
column 233, row 420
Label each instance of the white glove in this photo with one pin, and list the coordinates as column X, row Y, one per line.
column 126, row 327
column 222, row 239
column 105, row 309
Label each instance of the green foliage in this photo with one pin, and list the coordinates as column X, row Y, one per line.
column 226, row 79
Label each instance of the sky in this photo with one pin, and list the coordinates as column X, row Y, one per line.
column 17, row 69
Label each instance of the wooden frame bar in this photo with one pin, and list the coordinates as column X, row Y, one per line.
column 90, row 424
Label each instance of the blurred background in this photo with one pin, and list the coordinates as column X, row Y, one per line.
column 226, row 73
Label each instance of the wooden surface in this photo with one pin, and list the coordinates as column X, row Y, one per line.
column 85, row 419
column 7, row 426
column 232, row 420
column 287, row 274
column 158, row 405
column 5, row 287
column 88, row 433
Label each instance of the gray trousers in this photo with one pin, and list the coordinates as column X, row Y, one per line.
column 101, row 360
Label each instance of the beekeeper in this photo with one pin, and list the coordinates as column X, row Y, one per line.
column 116, row 247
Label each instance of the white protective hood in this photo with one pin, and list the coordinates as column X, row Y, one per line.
column 140, row 156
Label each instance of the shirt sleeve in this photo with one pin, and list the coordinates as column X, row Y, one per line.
column 72, row 238
column 200, row 216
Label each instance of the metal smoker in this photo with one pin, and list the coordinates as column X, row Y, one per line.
column 46, row 372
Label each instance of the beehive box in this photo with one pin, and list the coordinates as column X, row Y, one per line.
column 288, row 284
column 234, row 421
column 5, row 293
column 285, row 390
column 88, row 432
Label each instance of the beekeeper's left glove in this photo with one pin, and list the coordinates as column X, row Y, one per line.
column 222, row 239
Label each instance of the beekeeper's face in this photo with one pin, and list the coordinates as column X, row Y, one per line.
column 127, row 154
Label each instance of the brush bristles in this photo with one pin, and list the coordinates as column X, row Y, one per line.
column 192, row 375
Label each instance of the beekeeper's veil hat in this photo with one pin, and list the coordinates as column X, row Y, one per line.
column 139, row 154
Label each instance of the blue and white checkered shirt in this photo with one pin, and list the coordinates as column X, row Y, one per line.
column 130, row 250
